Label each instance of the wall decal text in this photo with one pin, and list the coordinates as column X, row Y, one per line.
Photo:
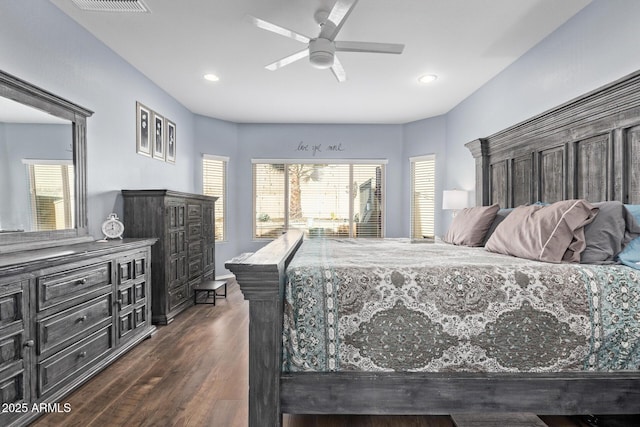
column 318, row 148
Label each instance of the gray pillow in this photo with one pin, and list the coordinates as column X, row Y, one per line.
column 553, row 233
column 500, row 216
column 607, row 235
column 470, row 225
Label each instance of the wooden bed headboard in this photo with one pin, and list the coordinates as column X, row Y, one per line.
column 586, row 148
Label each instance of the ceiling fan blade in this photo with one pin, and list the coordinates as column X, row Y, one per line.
column 260, row 23
column 287, row 60
column 338, row 70
column 369, row 47
column 337, row 18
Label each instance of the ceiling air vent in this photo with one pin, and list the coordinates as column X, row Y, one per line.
column 112, row 5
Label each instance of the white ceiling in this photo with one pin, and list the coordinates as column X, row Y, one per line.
column 464, row 42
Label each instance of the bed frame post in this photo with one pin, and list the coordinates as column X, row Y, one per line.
column 480, row 151
column 261, row 277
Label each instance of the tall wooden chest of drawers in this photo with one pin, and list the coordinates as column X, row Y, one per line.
column 185, row 253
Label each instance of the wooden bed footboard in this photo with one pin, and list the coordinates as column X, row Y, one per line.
column 261, row 277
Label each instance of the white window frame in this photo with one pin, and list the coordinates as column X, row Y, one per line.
column 383, row 202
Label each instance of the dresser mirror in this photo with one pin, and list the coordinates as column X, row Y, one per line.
column 42, row 167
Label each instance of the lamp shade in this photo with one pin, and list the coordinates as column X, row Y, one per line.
column 455, row 199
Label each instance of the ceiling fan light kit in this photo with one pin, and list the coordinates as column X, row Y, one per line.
column 321, row 53
column 322, row 49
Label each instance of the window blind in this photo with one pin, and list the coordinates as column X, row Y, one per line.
column 269, row 200
column 52, row 195
column 368, row 202
column 214, row 183
column 423, row 197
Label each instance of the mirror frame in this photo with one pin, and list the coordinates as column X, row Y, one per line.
column 25, row 93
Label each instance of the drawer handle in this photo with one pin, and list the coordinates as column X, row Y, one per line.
column 82, row 319
column 82, row 281
column 82, row 354
column 29, row 343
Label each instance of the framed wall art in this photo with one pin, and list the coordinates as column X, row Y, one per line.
column 159, row 149
column 171, row 141
column 143, row 136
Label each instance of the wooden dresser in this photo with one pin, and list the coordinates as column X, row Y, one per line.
column 65, row 313
column 185, row 253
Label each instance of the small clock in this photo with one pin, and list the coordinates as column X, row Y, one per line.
column 112, row 227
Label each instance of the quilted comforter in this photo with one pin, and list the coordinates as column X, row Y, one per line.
column 392, row 305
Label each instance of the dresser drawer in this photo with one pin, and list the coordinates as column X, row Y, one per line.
column 195, row 248
column 194, row 230
column 194, row 211
column 56, row 288
column 66, row 365
column 177, row 296
column 69, row 325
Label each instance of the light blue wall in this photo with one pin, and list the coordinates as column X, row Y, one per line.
column 40, row 44
column 423, row 137
column 597, row 46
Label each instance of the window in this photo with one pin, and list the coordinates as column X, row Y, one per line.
column 52, row 194
column 322, row 199
column 214, row 183
column 423, row 173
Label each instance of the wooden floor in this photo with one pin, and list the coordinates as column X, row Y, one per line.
column 194, row 372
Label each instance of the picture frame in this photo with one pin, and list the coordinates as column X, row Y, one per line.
column 170, row 133
column 158, row 138
column 143, row 135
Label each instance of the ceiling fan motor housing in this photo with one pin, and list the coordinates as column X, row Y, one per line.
column 321, row 52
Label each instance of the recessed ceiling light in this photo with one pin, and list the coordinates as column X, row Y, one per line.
column 428, row 78
column 211, row 77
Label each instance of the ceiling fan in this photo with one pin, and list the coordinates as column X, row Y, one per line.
column 322, row 49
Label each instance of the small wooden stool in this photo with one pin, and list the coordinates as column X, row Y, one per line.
column 210, row 287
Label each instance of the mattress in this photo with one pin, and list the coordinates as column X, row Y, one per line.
column 392, row 305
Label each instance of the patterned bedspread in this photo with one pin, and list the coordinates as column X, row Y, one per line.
column 392, row 305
